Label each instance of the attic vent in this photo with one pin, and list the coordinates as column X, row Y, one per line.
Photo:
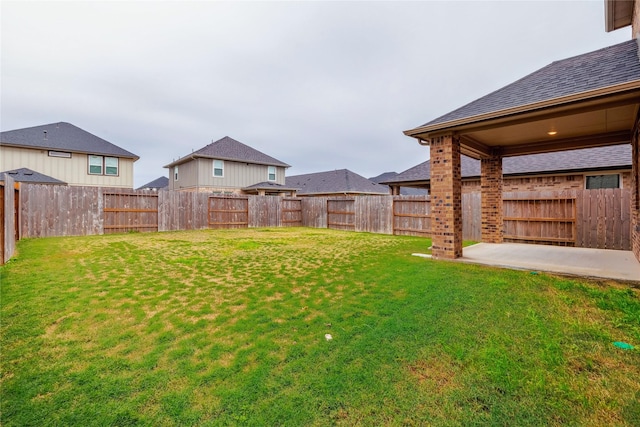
column 60, row 154
column 45, row 134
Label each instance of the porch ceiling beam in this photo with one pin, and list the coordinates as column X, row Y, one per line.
column 611, row 138
column 473, row 148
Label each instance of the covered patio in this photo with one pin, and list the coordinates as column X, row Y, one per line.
column 584, row 262
column 585, row 101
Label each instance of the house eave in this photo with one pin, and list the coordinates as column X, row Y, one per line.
column 425, row 133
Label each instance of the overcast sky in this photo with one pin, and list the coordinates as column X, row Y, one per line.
column 318, row 85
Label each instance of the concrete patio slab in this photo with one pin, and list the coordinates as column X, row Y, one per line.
column 597, row 263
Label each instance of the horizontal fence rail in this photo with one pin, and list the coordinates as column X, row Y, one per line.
column 582, row 218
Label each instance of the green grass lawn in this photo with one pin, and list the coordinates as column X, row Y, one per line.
column 228, row 328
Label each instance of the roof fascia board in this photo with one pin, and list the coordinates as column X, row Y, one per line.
column 504, row 115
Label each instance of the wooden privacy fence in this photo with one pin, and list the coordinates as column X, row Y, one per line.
column 412, row 216
column 548, row 220
column 130, row 212
column 225, row 212
column 589, row 218
column 582, row 218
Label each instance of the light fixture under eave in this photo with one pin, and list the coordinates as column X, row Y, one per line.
column 552, row 132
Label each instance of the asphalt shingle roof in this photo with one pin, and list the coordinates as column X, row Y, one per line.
column 334, row 182
column 268, row 185
column 597, row 158
column 229, row 149
column 62, row 136
column 33, row 177
column 158, row 183
column 594, row 70
column 404, row 191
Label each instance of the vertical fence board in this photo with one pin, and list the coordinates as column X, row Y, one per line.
column 8, row 219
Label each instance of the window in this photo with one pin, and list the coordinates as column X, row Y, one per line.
column 99, row 165
column 218, row 168
column 111, row 166
column 95, row 165
column 272, row 173
column 60, row 154
column 602, row 181
column 175, row 173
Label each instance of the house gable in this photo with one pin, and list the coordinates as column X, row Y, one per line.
column 69, row 154
column 62, row 137
column 239, row 165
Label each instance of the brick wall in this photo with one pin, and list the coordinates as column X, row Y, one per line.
column 491, row 199
column 542, row 183
column 446, row 197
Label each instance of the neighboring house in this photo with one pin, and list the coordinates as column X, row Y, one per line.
column 589, row 100
column 67, row 153
column 31, row 177
column 340, row 182
column 401, row 190
column 157, row 184
column 228, row 166
column 598, row 167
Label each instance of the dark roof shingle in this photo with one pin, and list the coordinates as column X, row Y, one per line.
column 605, row 67
column 229, row 149
column 32, row 177
column 334, row 182
column 158, row 184
column 62, row 137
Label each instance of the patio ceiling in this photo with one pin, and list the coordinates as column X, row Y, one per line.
column 602, row 117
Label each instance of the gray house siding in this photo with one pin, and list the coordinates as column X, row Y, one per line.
column 197, row 175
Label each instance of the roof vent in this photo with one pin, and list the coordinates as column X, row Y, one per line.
column 45, row 134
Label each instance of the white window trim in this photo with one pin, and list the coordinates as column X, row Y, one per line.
column 117, row 166
column 103, row 165
column 275, row 173
column 214, row 169
column 620, row 180
column 89, row 164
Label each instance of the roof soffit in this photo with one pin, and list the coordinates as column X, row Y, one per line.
column 595, row 120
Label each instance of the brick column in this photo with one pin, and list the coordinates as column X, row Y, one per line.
column 446, row 197
column 491, row 198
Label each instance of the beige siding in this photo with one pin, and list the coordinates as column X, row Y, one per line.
column 187, row 176
column 74, row 171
